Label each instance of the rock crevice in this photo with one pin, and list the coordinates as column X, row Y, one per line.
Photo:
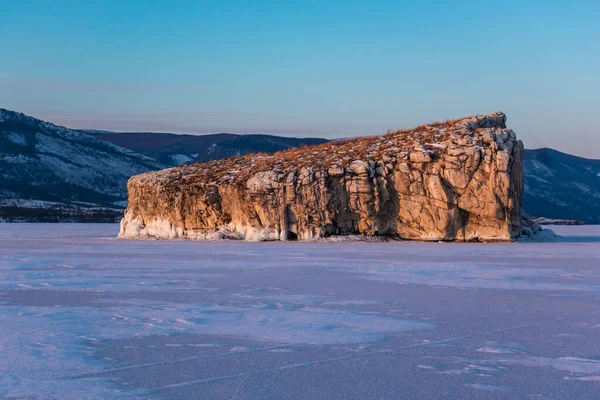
column 458, row 180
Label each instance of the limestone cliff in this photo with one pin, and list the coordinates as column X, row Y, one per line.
column 458, row 180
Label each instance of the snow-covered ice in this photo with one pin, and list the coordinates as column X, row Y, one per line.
column 85, row 315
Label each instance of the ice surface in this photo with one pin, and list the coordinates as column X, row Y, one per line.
column 84, row 315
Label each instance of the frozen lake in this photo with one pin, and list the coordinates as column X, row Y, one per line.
column 84, row 315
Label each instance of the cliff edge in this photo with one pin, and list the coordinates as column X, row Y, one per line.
column 459, row 180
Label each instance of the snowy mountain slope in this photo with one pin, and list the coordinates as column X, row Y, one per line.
column 174, row 149
column 559, row 185
column 43, row 161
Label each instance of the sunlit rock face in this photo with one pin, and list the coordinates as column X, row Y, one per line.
column 459, row 180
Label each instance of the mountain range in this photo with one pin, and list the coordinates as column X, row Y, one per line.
column 561, row 186
column 45, row 165
column 175, row 149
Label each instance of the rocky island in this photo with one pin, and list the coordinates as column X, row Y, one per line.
column 459, row 180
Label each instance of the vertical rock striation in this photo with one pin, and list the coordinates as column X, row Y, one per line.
column 458, row 180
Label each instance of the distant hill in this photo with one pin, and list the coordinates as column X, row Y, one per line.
column 173, row 149
column 559, row 185
column 42, row 161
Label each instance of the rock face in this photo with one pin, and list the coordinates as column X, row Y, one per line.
column 458, row 180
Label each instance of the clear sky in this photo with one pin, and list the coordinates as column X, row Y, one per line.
column 308, row 68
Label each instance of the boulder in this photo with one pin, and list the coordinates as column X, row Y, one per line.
column 458, row 180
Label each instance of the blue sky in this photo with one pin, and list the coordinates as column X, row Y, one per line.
column 308, row 68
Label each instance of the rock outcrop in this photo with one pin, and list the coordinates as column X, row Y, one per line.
column 458, row 180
